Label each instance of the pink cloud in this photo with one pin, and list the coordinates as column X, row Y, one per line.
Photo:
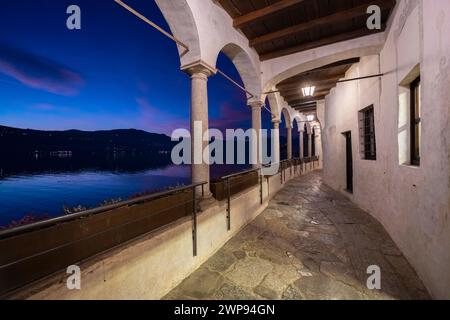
column 39, row 73
column 229, row 117
column 156, row 120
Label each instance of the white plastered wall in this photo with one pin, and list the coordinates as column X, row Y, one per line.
column 412, row 203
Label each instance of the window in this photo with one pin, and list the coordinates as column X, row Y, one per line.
column 415, row 120
column 367, row 134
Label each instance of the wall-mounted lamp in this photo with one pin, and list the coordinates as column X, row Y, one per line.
column 308, row 91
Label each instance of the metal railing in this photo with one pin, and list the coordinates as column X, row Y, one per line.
column 285, row 164
column 293, row 165
column 32, row 252
column 226, row 180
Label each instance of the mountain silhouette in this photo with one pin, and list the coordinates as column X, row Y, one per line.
column 26, row 151
column 14, row 141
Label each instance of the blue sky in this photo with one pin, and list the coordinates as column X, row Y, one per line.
column 117, row 72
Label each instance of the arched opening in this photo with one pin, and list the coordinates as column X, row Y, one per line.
column 248, row 73
column 309, row 62
column 285, row 124
column 228, row 110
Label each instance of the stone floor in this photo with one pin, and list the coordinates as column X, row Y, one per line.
column 310, row 243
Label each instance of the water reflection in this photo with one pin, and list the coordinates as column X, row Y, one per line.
column 43, row 187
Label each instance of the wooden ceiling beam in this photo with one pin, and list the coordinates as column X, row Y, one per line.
column 310, row 107
column 265, row 12
column 316, row 80
column 308, row 104
column 299, row 95
column 334, row 68
column 318, row 83
column 335, row 18
column 340, row 63
column 307, row 110
column 321, row 42
column 296, row 103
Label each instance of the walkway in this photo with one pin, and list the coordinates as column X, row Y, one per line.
column 310, row 243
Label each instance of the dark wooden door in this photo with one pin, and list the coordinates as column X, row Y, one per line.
column 349, row 160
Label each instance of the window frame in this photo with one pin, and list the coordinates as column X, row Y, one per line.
column 368, row 141
column 415, row 121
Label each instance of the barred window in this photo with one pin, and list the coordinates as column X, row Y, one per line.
column 367, row 134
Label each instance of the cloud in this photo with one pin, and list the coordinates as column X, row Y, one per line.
column 230, row 118
column 39, row 73
column 158, row 120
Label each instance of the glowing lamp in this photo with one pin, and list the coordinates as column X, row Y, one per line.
column 308, row 91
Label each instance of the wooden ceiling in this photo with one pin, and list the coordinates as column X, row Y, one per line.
column 277, row 28
column 323, row 78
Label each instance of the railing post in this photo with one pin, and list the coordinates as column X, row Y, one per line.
column 228, row 205
column 281, row 172
column 261, row 177
column 194, row 222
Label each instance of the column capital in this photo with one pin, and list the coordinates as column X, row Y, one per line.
column 276, row 123
column 255, row 104
column 199, row 68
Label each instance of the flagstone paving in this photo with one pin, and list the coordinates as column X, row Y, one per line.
column 310, row 243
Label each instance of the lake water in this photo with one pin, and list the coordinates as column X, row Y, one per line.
column 42, row 188
column 45, row 194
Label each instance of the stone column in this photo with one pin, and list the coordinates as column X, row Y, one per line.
column 310, row 145
column 276, row 141
column 289, row 142
column 256, row 107
column 199, row 73
column 302, row 145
